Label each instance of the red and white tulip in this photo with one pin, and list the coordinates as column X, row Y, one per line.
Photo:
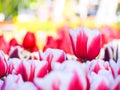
column 86, row 43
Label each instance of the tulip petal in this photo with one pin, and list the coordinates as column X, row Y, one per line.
column 52, row 56
column 24, row 70
column 77, row 82
column 79, row 43
column 116, row 84
column 41, row 68
column 3, row 65
column 94, row 47
column 29, row 40
column 11, row 81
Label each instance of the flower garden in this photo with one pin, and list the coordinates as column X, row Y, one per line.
column 65, row 50
column 79, row 59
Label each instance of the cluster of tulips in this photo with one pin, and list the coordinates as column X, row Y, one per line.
column 91, row 66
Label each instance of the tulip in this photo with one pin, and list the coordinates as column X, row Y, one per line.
column 62, row 42
column 29, row 42
column 111, row 51
column 10, row 81
column 4, row 45
column 15, row 82
column 52, row 56
column 19, row 52
column 86, row 43
column 28, row 69
column 101, row 81
column 78, row 72
column 3, row 65
column 109, row 33
column 51, row 43
column 115, row 67
column 59, row 80
column 97, row 65
column 13, row 42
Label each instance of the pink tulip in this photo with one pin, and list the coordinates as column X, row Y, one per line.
column 101, row 81
column 3, row 65
column 115, row 67
column 52, row 56
column 79, row 74
column 60, row 80
column 13, row 82
column 13, row 42
column 28, row 69
column 4, row 45
column 97, row 65
column 86, row 43
column 110, row 51
column 61, row 42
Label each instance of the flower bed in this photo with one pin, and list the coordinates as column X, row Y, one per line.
column 91, row 64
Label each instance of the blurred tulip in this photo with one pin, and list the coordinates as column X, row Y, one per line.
column 15, row 82
column 28, row 69
column 29, row 42
column 108, row 34
column 97, row 65
column 4, row 45
column 101, row 81
column 58, row 80
column 111, row 51
column 116, row 84
column 13, row 42
column 10, row 82
column 62, row 42
column 3, row 65
column 78, row 70
column 115, row 67
column 52, row 56
column 86, row 43
column 51, row 43
column 19, row 52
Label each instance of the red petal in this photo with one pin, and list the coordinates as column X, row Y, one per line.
column 76, row 83
column 94, row 47
column 3, row 65
column 81, row 45
column 4, row 45
column 22, row 69
column 96, row 68
column 56, row 85
column 102, row 86
column 29, row 40
column 32, row 72
column 41, row 68
column 13, row 42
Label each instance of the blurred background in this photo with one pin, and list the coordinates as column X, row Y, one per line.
column 102, row 11
column 45, row 17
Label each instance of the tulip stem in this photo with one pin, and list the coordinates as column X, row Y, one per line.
column 84, row 60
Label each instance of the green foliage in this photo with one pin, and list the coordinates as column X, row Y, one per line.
column 10, row 7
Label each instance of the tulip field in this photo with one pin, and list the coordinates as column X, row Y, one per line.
column 77, row 59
